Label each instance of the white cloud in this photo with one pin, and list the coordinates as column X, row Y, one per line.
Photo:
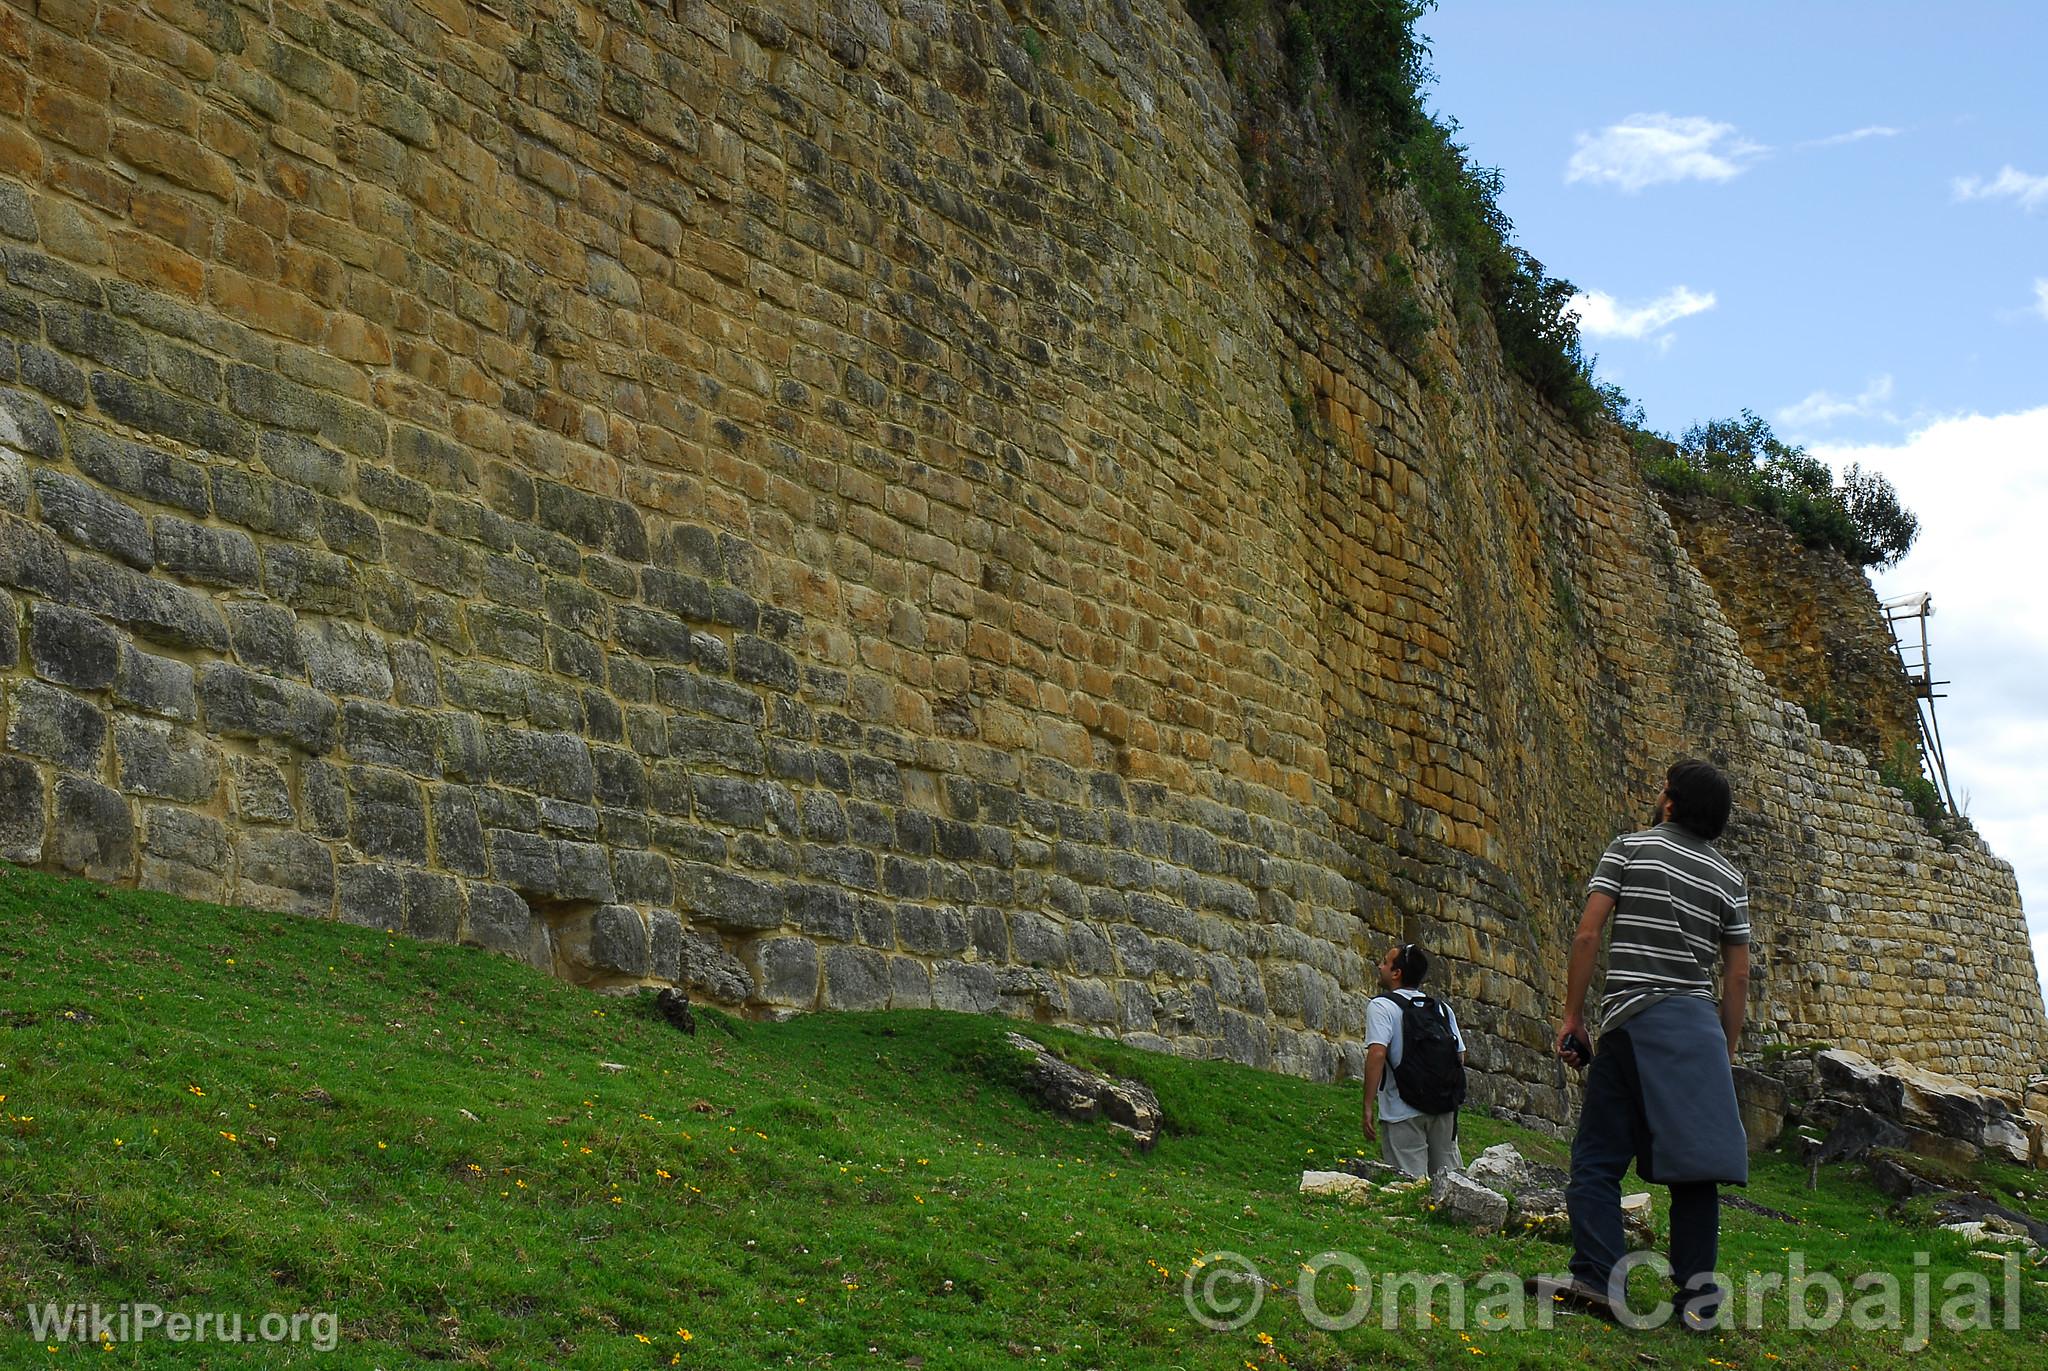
column 2010, row 184
column 1853, row 136
column 1823, row 407
column 2041, row 296
column 1603, row 316
column 1650, row 149
column 1980, row 489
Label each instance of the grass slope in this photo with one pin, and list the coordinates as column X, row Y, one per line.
column 219, row 1110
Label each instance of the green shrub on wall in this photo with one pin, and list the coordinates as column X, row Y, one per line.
column 1367, row 55
column 1743, row 461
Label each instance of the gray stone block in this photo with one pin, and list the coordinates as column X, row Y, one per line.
column 154, row 607
column 93, row 833
column 387, row 817
column 55, row 724
column 1089, row 951
column 932, row 930
column 242, row 704
column 1090, row 1001
column 458, row 834
column 72, row 648
column 28, row 426
column 163, row 686
column 433, row 906
column 618, row 940
column 856, row 978
column 824, row 911
column 261, row 793
column 566, row 816
column 211, row 556
column 158, row 759
column 963, row 986
column 642, row 877
column 990, row 934
column 10, row 632
column 1137, row 1010
column 310, row 580
column 323, row 791
column 92, row 518
column 412, row 674
column 665, row 945
column 910, row 984
column 289, row 872
column 22, row 817
column 785, row 971
column 712, row 971
column 348, row 531
column 372, row 897
column 387, row 736
column 304, row 462
column 183, row 852
column 266, row 637
column 1038, row 941
column 140, row 470
column 345, row 658
column 727, row 899
column 524, row 861
column 32, row 559
column 555, row 764
column 500, row 920
column 464, row 755
column 585, row 872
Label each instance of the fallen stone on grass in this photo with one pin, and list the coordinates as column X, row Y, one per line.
column 1345, row 1186
column 1125, row 1105
column 1456, row 1197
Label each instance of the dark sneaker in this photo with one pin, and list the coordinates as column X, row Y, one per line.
column 1571, row 1294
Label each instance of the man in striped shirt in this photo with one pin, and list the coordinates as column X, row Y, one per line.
column 1661, row 1092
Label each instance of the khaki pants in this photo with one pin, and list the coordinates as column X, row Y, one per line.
column 1423, row 1145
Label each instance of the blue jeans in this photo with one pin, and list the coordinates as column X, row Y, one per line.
column 1613, row 1131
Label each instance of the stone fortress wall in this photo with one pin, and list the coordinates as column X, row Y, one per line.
column 843, row 506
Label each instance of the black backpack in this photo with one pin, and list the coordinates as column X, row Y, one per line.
column 1430, row 1077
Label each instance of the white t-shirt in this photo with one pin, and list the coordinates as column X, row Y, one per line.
column 1383, row 1025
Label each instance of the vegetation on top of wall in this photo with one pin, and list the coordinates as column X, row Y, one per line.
column 1743, row 461
column 1367, row 56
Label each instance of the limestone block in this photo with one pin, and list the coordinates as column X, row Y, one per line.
column 156, row 685
column 72, row 648
column 157, row 758
column 498, row 919
column 54, row 724
column 712, row 971
column 289, row 872
column 433, row 906
column 784, row 971
column 23, row 801
column 185, row 853
column 856, row 978
column 910, row 984
column 243, row 704
column 372, row 896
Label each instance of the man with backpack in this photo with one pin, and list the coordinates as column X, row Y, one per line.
column 1414, row 1068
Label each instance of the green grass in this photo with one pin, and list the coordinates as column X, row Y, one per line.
column 220, row 1110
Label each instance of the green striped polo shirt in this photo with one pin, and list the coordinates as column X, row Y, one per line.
column 1677, row 901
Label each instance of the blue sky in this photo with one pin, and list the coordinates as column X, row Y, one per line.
column 1835, row 215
